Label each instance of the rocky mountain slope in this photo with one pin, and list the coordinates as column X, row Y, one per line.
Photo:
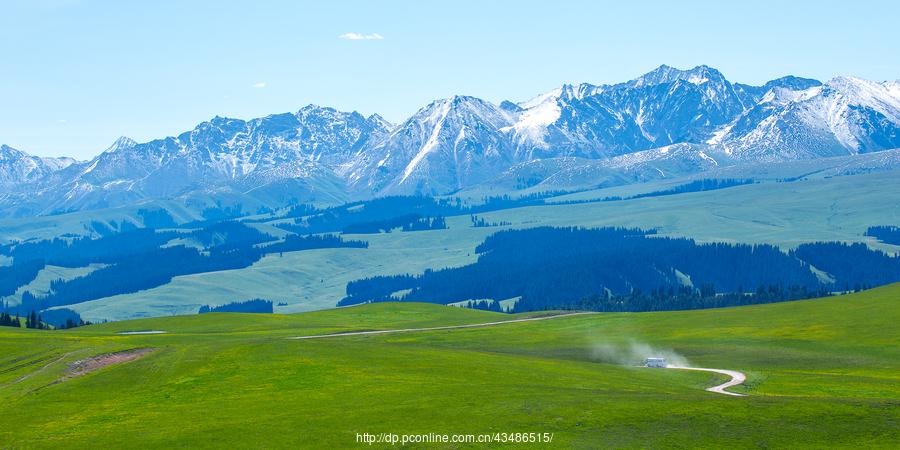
column 667, row 122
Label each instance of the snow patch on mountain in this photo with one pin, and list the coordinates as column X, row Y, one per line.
column 435, row 120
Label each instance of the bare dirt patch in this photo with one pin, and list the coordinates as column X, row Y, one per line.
column 36, row 372
column 88, row 365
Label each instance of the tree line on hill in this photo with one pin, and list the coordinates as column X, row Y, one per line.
column 7, row 320
column 17, row 275
column 480, row 222
column 853, row 265
column 887, row 233
column 680, row 298
column 376, row 214
column 60, row 318
column 32, row 320
column 632, row 270
column 701, row 185
column 142, row 259
column 81, row 251
column 384, row 214
column 63, row 318
column 406, row 222
column 484, row 305
column 256, row 305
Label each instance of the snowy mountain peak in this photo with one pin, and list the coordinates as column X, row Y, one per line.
column 464, row 104
column 570, row 92
column 313, row 107
column 8, row 153
column 457, row 99
column 862, row 87
column 58, row 163
column 666, row 74
column 510, row 107
column 549, row 96
column 783, row 95
column 565, row 93
column 461, row 109
column 18, row 168
column 857, row 92
column 122, row 143
column 845, row 115
column 380, row 121
column 792, row 82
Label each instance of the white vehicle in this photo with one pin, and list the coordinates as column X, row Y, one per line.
column 656, row 362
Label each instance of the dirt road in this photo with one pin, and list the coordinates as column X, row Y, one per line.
column 736, row 379
column 449, row 327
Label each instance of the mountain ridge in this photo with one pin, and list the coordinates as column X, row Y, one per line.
column 463, row 141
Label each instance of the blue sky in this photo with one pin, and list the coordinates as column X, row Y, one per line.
column 78, row 74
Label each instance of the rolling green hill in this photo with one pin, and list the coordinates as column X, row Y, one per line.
column 821, row 373
column 784, row 214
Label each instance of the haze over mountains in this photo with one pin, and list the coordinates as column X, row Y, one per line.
column 668, row 122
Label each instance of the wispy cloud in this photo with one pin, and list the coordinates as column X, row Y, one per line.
column 361, row 37
column 259, row 85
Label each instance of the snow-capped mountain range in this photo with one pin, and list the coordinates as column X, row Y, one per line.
column 17, row 167
column 667, row 122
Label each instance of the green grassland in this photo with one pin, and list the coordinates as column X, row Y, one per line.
column 821, row 373
column 785, row 214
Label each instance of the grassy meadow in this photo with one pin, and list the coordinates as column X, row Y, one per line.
column 821, row 373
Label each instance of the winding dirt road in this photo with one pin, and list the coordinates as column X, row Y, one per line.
column 449, row 327
column 736, row 379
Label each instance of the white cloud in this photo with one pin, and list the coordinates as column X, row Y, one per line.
column 361, row 37
column 259, row 85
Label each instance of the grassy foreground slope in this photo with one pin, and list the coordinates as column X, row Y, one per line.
column 822, row 373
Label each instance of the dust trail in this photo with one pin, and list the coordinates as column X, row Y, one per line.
column 633, row 353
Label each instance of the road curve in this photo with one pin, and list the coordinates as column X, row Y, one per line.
column 736, row 379
column 449, row 327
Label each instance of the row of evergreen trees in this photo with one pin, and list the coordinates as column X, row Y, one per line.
column 426, row 223
column 551, row 268
column 7, row 320
column 154, row 268
column 683, row 298
column 705, row 184
column 364, row 215
column 18, row 274
column 479, row 222
column 484, row 305
column 32, row 320
column 406, row 222
column 888, row 234
column 256, row 305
